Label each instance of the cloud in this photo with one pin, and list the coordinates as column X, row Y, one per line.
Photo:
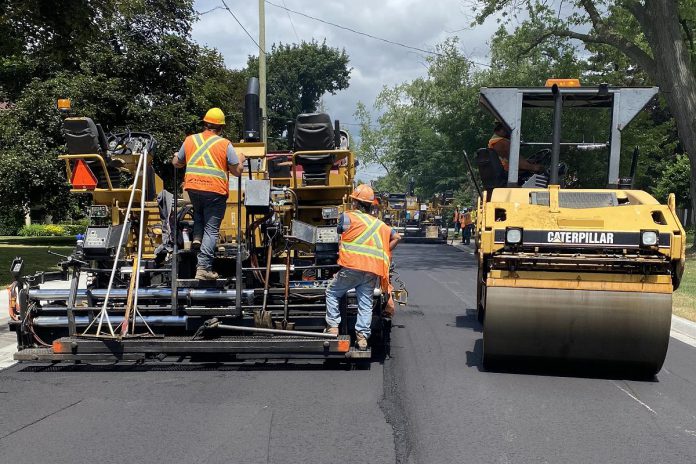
column 418, row 23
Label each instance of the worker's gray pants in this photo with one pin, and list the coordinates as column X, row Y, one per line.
column 364, row 284
column 208, row 211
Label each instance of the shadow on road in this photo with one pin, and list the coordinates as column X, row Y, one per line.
column 469, row 321
column 186, row 366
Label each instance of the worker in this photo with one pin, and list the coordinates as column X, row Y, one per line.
column 455, row 219
column 364, row 255
column 208, row 158
column 500, row 143
column 466, row 224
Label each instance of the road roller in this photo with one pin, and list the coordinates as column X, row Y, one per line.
column 128, row 293
column 573, row 276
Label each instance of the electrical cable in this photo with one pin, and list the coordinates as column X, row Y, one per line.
column 242, row 26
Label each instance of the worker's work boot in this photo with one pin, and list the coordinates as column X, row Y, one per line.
column 204, row 274
column 360, row 341
column 331, row 330
column 196, row 244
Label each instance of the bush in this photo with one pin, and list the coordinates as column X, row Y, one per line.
column 10, row 222
column 42, row 230
column 52, row 230
column 74, row 229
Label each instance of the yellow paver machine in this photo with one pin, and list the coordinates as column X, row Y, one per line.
column 128, row 292
column 582, row 275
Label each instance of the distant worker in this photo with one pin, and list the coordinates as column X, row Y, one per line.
column 466, row 224
column 455, row 219
column 364, row 256
column 500, row 143
column 208, row 158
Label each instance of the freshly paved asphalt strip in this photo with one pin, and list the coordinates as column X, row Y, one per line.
column 431, row 403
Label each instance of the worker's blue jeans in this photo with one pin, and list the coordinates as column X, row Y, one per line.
column 364, row 284
column 208, row 211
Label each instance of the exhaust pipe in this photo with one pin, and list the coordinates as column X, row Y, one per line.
column 252, row 112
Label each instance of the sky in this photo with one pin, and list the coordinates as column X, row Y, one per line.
column 375, row 64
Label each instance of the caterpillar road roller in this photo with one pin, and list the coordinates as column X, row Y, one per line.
column 128, row 291
column 572, row 275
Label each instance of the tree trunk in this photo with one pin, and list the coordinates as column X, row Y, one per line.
column 674, row 75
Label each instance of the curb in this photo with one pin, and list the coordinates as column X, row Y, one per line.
column 684, row 326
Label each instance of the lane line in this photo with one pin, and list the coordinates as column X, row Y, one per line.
column 632, row 396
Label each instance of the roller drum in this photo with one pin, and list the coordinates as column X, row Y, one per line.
column 596, row 327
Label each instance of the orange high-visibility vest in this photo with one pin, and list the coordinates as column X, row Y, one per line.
column 491, row 143
column 206, row 163
column 365, row 246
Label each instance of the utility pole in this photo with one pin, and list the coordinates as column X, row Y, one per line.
column 262, row 70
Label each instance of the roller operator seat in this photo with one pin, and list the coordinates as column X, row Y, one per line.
column 314, row 132
column 490, row 169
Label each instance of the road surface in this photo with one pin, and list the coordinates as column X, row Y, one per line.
column 432, row 402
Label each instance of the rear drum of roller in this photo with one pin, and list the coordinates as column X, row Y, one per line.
column 596, row 327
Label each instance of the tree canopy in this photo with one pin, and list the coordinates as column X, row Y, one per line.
column 297, row 77
column 126, row 64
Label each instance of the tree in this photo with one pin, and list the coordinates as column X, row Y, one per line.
column 656, row 36
column 297, row 77
column 127, row 64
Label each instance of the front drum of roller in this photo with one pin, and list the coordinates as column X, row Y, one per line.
column 595, row 327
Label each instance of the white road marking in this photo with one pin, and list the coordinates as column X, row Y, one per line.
column 632, row 396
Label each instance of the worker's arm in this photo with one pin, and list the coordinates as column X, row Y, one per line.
column 502, row 148
column 235, row 161
column 395, row 238
column 179, row 159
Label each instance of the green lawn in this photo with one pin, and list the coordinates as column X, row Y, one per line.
column 684, row 304
column 36, row 258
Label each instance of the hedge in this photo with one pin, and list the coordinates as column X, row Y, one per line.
column 51, row 230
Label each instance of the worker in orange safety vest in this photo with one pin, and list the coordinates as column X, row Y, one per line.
column 365, row 258
column 500, row 143
column 208, row 159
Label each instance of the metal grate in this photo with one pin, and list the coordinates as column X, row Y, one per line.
column 576, row 200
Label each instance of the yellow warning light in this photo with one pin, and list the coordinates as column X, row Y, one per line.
column 563, row 82
column 64, row 104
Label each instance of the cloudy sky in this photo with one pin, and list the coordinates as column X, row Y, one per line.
column 417, row 23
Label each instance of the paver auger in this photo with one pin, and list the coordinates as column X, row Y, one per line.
column 583, row 275
column 277, row 251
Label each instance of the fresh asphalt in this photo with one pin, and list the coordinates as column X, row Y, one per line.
column 431, row 402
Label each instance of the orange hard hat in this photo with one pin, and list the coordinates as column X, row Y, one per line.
column 215, row 116
column 364, row 193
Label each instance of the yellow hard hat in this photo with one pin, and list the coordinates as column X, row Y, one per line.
column 215, row 116
column 364, row 193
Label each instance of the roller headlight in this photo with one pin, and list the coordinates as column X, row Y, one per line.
column 513, row 235
column 649, row 238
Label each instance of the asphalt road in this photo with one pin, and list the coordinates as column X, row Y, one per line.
column 430, row 403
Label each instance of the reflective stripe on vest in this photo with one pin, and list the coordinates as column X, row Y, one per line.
column 202, row 162
column 206, row 163
column 368, row 244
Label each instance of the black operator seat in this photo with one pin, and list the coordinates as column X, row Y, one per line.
column 84, row 137
column 314, row 132
column 490, row 169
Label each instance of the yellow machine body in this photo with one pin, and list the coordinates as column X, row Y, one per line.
column 573, row 275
